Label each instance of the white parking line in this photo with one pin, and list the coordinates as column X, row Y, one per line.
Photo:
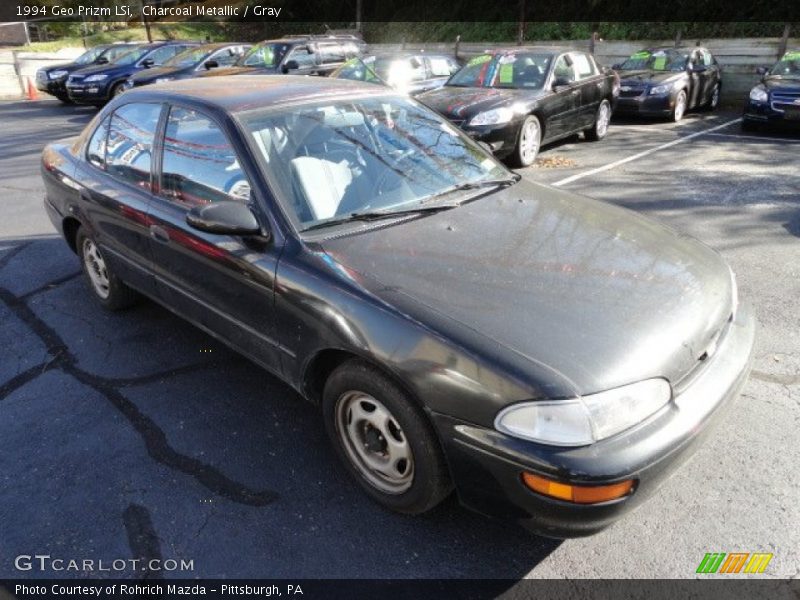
column 635, row 128
column 623, row 161
column 777, row 140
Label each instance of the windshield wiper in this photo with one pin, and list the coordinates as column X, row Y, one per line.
column 377, row 215
column 483, row 183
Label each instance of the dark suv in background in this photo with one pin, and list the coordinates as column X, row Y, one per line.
column 298, row 55
column 97, row 85
column 52, row 80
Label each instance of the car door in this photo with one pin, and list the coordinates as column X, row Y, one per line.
column 712, row 75
column 698, row 79
column 116, row 181
column 223, row 283
column 560, row 108
column 592, row 85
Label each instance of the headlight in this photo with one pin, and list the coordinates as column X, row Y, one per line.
column 660, row 89
column 98, row 77
column 498, row 116
column 163, row 79
column 585, row 420
column 57, row 74
column 759, row 94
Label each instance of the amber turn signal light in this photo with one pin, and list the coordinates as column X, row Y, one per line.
column 580, row 494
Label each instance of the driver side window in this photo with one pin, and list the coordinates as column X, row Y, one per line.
column 199, row 165
column 303, row 57
column 564, row 70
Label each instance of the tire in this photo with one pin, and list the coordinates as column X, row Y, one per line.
column 116, row 90
column 529, row 140
column 681, row 104
column 64, row 99
column 106, row 287
column 368, row 418
column 601, row 120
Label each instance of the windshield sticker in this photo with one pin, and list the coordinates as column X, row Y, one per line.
column 792, row 56
column 660, row 63
column 507, row 59
column 506, row 73
column 479, row 60
column 642, row 54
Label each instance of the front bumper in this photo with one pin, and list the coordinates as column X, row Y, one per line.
column 764, row 113
column 645, row 105
column 54, row 87
column 88, row 93
column 501, row 138
column 487, row 466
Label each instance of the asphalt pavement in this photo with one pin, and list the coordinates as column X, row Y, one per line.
column 135, row 435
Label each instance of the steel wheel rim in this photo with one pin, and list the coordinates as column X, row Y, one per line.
column 529, row 144
column 374, row 442
column 680, row 106
column 96, row 269
column 602, row 119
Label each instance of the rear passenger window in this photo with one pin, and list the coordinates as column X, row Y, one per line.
column 130, row 142
column 96, row 150
column 199, row 165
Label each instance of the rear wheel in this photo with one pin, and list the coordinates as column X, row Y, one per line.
column 680, row 106
column 528, row 141
column 385, row 441
column 109, row 289
column 601, row 120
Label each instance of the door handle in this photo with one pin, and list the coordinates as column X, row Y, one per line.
column 159, row 234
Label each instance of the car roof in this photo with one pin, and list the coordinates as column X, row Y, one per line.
column 406, row 54
column 539, row 49
column 239, row 93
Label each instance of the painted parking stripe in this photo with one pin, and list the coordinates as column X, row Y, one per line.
column 636, row 128
column 624, row 161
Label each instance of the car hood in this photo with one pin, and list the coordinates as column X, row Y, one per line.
column 775, row 84
column 237, row 71
column 646, row 76
column 111, row 70
column 459, row 103
column 598, row 293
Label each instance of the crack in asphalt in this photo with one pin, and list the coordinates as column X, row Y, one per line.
column 785, row 380
column 6, row 258
column 50, row 285
column 142, row 538
column 154, row 438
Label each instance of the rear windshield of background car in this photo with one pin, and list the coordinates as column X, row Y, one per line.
column 511, row 70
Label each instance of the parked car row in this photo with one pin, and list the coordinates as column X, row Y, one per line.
column 512, row 100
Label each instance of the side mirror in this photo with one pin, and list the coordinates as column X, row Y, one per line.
column 290, row 65
column 560, row 82
column 224, row 218
column 762, row 71
column 211, row 64
column 616, row 66
column 148, row 62
column 101, row 60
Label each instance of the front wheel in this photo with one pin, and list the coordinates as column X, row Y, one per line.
column 601, row 120
column 109, row 289
column 528, row 141
column 64, row 99
column 383, row 438
column 680, row 107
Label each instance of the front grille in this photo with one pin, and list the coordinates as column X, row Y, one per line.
column 629, row 92
column 783, row 100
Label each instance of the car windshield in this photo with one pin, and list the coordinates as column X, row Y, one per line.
column 331, row 159
column 656, row 60
column 508, row 70
column 188, row 58
column 788, row 66
column 89, row 56
column 132, row 56
column 265, row 55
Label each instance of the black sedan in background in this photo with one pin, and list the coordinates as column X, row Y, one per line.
column 666, row 82
column 550, row 357
column 776, row 99
column 516, row 100
column 52, row 80
column 97, row 85
column 408, row 72
column 189, row 63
